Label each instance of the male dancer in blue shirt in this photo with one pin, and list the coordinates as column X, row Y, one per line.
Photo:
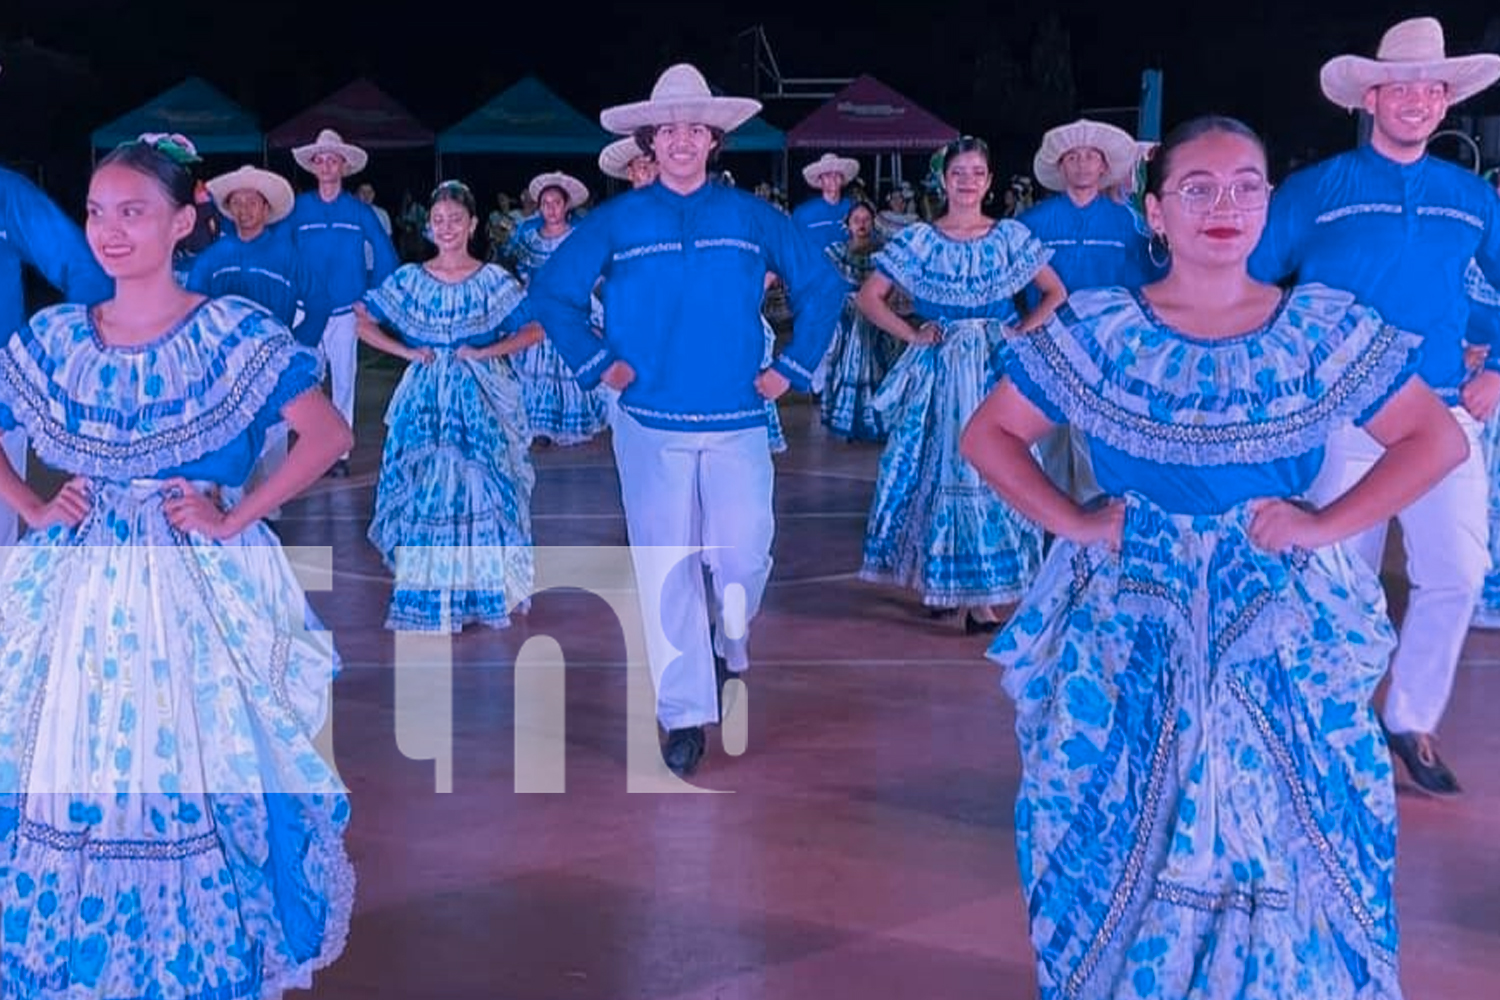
column 257, row 259
column 684, row 265
column 823, row 217
column 1096, row 242
column 35, row 231
column 1397, row 228
column 331, row 227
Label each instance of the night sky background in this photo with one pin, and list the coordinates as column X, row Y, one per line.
column 1003, row 69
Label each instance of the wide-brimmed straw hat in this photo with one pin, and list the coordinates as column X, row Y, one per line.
column 273, row 187
column 1116, row 144
column 830, row 163
column 680, row 95
column 570, row 185
column 329, row 141
column 615, row 158
column 1411, row 50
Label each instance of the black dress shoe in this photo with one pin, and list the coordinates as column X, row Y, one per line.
column 684, row 750
column 1418, row 751
column 974, row 626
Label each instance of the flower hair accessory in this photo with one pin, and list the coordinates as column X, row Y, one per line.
column 173, row 145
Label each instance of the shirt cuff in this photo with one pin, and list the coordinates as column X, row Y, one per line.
column 799, row 377
column 588, row 374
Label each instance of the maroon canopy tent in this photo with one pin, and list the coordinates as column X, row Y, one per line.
column 869, row 117
column 361, row 113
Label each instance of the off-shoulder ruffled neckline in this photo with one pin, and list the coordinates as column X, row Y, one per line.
column 1261, row 329
column 461, row 281
column 91, row 317
column 989, row 231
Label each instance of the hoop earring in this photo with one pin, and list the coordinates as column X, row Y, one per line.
column 1156, row 247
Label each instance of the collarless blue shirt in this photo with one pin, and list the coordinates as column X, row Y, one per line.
column 268, row 271
column 1398, row 236
column 34, row 231
column 823, row 222
column 1100, row 245
column 331, row 237
column 684, row 277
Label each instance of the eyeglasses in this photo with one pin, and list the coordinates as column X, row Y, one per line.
column 1200, row 197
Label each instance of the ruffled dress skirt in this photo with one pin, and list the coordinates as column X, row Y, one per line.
column 1487, row 614
column 934, row 526
column 168, row 830
column 1206, row 807
column 857, row 362
column 453, row 506
column 557, row 408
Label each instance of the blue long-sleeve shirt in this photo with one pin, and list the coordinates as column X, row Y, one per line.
column 1097, row 246
column 684, row 276
column 35, row 231
column 824, row 222
column 269, row 271
column 331, row 236
column 1399, row 236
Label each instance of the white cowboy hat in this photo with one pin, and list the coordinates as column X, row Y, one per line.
column 830, row 163
column 615, row 158
column 571, row 186
column 329, row 141
column 1117, row 145
column 1411, row 50
column 273, row 187
column 680, row 95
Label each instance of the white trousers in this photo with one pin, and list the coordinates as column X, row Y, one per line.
column 1446, row 537
column 340, row 347
column 14, row 443
column 687, row 489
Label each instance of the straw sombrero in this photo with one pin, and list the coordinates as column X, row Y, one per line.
column 615, row 158
column 830, row 162
column 1411, row 50
column 570, row 185
column 273, row 187
column 680, row 95
column 1117, row 145
column 329, row 141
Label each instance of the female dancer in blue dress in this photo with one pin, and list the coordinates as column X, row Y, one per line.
column 1206, row 807
column 453, row 506
column 559, row 411
column 934, row 526
column 861, row 353
column 167, row 827
column 1481, row 351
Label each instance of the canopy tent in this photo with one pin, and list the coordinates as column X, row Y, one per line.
column 869, row 117
column 196, row 109
column 755, row 136
column 362, row 114
column 526, row 118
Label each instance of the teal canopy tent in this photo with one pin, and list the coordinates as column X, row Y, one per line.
column 195, row 108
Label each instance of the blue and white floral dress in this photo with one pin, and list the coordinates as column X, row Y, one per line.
column 858, row 357
column 1484, row 317
column 557, row 408
column 167, row 827
column 453, row 506
column 934, row 525
column 1206, row 807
